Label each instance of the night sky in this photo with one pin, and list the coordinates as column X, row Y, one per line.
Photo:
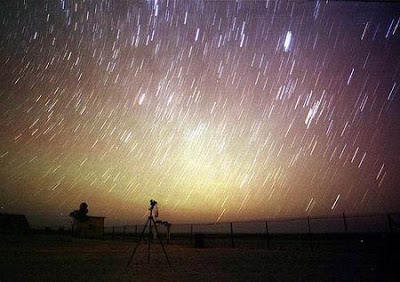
column 219, row 110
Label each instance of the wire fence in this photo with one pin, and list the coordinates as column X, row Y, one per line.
column 343, row 231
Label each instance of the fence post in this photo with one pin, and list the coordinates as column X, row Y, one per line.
column 168, row 232
column 309, row 234
column 124, row 232
column 267, row 233
column 344, row 222
column 112, row 235
column 136, row 230
column 233, row 243
column 191, row 234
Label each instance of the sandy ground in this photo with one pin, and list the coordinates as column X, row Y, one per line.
column 60, row 258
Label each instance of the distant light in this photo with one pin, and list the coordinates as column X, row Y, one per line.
column 288, row 39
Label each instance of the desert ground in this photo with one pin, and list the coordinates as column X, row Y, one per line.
column 63, row 258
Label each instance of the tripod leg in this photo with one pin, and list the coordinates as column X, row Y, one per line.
column 162, row 245
column 137, row 245
column 150, row 239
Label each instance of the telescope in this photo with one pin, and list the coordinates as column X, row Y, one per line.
column 153, row 204
column 151, row 223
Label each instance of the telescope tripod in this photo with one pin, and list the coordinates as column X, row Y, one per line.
column 149, row 221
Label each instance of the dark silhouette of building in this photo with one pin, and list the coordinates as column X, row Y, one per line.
column 85, row 226
column 13, row 224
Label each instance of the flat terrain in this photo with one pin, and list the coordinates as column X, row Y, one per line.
column 62, row 258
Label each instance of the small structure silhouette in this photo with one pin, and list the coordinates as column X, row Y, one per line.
column 86, row 226
column 81, row 214
column 13, row 224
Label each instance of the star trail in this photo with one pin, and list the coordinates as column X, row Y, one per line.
column 219, row 110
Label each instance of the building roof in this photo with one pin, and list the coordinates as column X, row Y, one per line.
column 12, row 223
